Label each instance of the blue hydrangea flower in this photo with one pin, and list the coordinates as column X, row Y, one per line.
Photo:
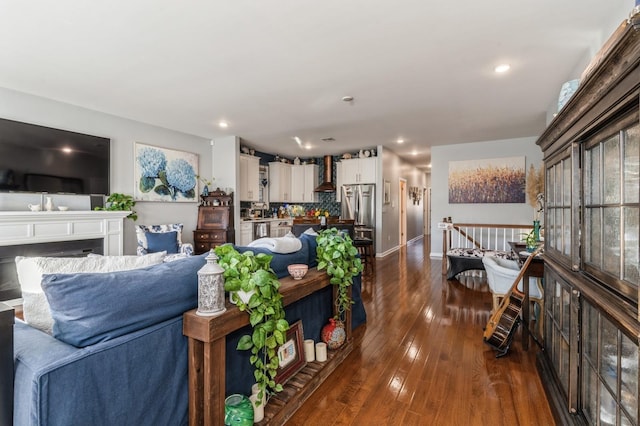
column 181, row 175
column 151, row 162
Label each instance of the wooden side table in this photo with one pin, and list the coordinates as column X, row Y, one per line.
column 207, row 344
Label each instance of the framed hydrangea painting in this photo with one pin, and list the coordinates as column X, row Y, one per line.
column 163, row 174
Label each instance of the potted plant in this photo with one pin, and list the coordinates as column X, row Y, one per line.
column 120, row 202
column 253, row 274
column 337, row 254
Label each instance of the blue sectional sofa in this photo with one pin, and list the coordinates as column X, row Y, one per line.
column 119, row 355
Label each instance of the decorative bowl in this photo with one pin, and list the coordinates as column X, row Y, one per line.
column 63, row 208
column 298, row 270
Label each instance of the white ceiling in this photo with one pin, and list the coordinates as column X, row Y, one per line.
column 419, row 70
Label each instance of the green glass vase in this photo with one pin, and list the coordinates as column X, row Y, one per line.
column 238, row 411
column 536, row 229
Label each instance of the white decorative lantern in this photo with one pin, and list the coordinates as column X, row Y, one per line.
column 211, row 288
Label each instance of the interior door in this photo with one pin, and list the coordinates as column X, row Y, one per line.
column 403, row 212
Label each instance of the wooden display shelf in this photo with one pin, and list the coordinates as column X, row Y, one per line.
column 207, row 355
column 301, row 386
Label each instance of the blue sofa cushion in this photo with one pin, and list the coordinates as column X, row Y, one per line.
column 313, row 245
column 162, row 241
column 95, row 307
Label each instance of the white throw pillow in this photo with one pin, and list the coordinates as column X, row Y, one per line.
column 311, row 231
column 30, row 270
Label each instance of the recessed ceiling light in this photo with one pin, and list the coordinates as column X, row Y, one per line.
column 429, row 165
column 308, row 146
column 347, row 98
column 400, row 141
column 67, row 150
column 502, row 68
column 414, row 152
column 223, row 124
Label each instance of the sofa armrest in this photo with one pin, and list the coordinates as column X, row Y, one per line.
column 56, row 383
column 6, row 363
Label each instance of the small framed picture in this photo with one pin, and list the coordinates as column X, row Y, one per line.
column 291, row 354
column 387, row 192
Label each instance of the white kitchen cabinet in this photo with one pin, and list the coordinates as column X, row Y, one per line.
column 246, row 233
column 249, row 178
column 279, row 182
column 358, row 170
column 304, row 180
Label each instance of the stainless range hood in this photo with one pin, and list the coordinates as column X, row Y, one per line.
column 327, row 184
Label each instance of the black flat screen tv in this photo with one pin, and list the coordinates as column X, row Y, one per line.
column 43, row 159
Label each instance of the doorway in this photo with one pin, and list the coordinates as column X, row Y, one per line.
column 403, row 212
column 426, row 212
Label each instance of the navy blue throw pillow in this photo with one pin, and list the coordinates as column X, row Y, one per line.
column 162, row 241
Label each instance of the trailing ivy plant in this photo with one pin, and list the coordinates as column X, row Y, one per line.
column 120, row 202
column 337, row 254
column 253, row 274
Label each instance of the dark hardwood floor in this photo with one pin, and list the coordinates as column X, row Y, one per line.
column 420, row 359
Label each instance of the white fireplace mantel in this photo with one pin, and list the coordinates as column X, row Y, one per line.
column 44, row 227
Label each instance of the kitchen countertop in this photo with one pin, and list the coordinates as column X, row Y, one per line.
column 266, row 219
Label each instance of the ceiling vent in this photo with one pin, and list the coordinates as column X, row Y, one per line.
column 327, row 177
column 328, row 139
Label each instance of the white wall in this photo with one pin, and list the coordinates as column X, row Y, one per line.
column 123, row 133
column 476, row 213
column 226, row 170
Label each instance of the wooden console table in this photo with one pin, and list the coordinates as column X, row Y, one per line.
column 207, row 347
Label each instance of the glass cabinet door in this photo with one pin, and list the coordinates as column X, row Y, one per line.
column 609, row 371
column 611, row 207
column 561, row 323
column 558, row 223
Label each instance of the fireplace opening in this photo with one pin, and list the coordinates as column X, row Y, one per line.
column 9, row 285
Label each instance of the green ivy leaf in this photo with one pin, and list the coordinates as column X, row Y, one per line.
column 271, row 342
column 255, row 317
column 258, row 337
column 269, row 326
column 244, row 343
column 279, row 336
column 282, row 325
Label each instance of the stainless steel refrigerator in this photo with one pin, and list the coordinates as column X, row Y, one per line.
column 359, row 204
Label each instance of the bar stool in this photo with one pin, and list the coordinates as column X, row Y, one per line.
column 365, row 248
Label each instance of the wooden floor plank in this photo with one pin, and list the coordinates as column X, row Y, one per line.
column 420, row 359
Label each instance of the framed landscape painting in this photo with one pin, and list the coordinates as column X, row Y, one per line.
column 496, row 180
column 163, row 174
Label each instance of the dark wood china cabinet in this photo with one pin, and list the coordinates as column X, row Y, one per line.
column 589, row 362
column 215, row 222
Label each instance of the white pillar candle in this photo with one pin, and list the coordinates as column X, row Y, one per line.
column 309, row 351
column 321, row 352
column 258, row 411
column 255, row 389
